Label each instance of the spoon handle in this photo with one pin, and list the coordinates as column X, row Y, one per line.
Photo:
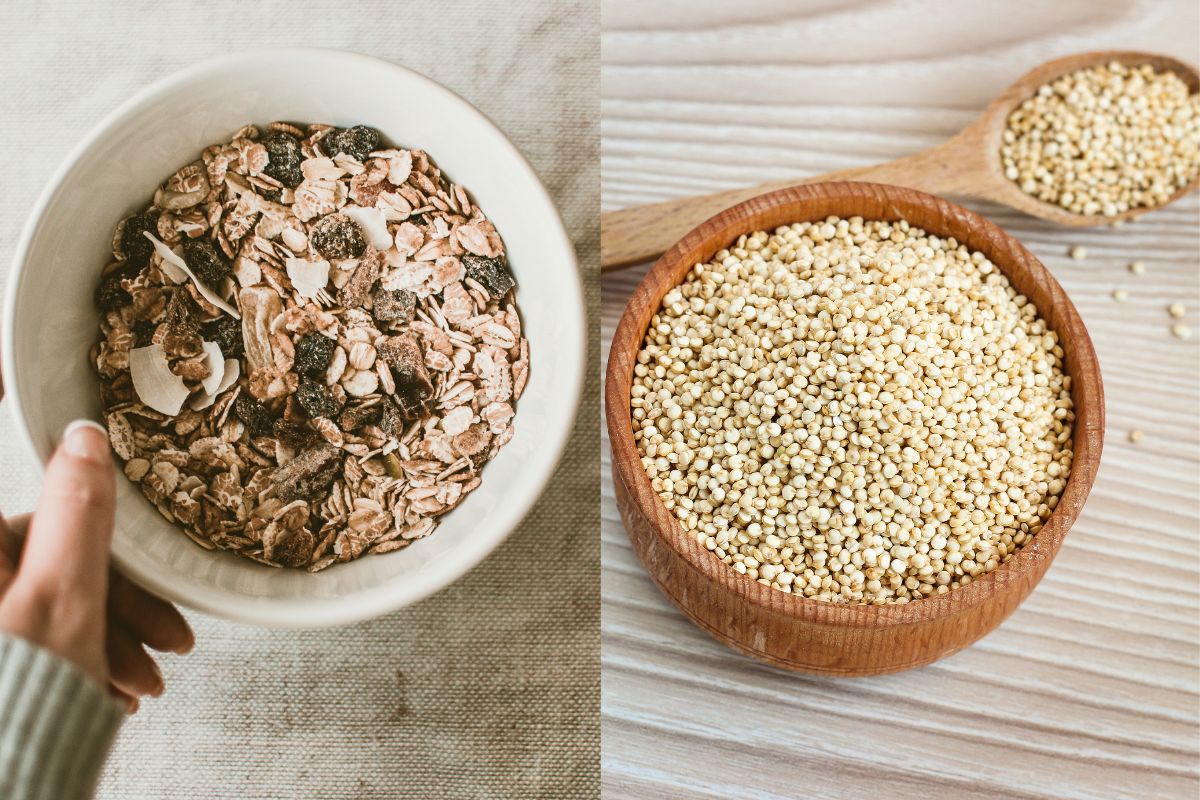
column 641, row 233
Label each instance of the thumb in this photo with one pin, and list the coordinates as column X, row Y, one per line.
column 66, row 553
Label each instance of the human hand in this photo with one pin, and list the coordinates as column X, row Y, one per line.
column 56, row 588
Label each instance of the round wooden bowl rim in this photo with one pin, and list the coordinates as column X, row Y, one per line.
column 1006, row 253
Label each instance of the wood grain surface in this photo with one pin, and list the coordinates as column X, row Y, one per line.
column 1090, row 689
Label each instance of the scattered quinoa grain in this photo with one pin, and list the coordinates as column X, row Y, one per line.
column 1181, row 331
column 853, row 411
column 1120, row 295
column 1176, row 310
column 1137, row 268
column 1077, row 253
column 1135, row 436
column 1104, row 140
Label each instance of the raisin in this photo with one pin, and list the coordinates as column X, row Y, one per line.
column 110, row 295
column 203, row 259
column 490, row 273
column 227, row 333
column 359, row 142
column 143, row 332
column 293, row 433
column 313, row 352
column 283, row 158
column 254, row 415
column 314, row 397
column 309, row 475
column 393, row 307
column 355, row 417
column 337, row 237
column 134, row 245
column 414, row 390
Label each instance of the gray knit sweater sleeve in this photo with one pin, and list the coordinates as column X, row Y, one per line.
column 56, row 725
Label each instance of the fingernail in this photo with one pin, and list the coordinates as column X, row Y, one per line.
column 162, row 685
column 85, row 438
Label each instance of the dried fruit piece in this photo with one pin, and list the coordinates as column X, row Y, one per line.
column 256, row 417
column 356, row 291
column 315, row 398
column 313, row 352
column 293, row 433
column 337, row 237
column 111, row 295
column 283, row 158
column 414, row 390
column 354, row 417
column 391, row 418
column 135, row 247
column 143, row 332
column 359, row 142
column 490, row 273
column 393, row 307
column 205, row 262
column 309, row 475
column 180, row 329
column 226, row 332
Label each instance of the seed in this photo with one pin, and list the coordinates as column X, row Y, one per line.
column 1135, row 436
column 1104, row 140
column 1120, row 295
column 1181, row 331
column 1176, row 310
column 1137, row 268
column 1077, row 253
column 828, row 414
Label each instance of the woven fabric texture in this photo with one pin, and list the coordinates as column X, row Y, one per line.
column 489, row 689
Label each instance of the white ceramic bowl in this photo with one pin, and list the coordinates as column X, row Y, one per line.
column 50, row 322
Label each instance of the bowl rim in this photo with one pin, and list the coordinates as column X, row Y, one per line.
column 719, row 232
column 387, row 597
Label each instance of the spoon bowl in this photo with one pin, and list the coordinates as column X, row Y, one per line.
column 967, row 164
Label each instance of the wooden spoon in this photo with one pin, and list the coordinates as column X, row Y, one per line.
column 968, row 164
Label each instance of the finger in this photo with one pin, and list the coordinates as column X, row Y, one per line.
column 66, row 551
column 130, row 702
column 150, row 620
column 10, row 554
column 131, row 669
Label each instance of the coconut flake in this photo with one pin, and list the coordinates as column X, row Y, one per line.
column 171, row 256
column 233, row 371
column 308, row 277
column 155, row 384
column 173, row 265
column 374, row 224
column 216, row 363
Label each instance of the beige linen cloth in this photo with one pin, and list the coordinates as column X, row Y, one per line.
column 489, row 689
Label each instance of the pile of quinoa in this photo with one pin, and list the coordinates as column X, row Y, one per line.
column 1104, row 140
column 857, row 412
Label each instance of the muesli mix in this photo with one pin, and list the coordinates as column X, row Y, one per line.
column 309, row 345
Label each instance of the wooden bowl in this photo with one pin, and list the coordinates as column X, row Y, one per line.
column 815, row 636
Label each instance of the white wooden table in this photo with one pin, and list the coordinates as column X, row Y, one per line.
column 1090, row 689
